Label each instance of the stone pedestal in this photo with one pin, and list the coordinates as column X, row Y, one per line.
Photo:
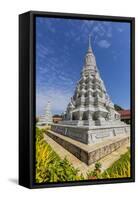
column 90, row 153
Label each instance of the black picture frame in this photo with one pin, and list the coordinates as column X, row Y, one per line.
column 27, row 98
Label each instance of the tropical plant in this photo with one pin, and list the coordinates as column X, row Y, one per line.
column 120, row 169
column 92, row 174
column 49, row 166
column 98, row 166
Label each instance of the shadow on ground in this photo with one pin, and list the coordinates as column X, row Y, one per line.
column 13, row 180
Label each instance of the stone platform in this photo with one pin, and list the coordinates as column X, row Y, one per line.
column 106, row 161
column 91, row 135
column 92, row 152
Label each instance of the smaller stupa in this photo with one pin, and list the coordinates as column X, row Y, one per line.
column 46, row 118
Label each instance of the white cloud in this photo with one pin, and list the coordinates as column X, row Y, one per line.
column 98, row 30
column 120, row 30
column 43, row 51
column 104, row 44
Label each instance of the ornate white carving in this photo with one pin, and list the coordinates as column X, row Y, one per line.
column 91, row 96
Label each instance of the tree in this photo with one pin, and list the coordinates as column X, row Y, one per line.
column 117, row 107
column 56, row 115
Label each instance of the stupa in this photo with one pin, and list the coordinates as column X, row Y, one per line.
column 46, row 118
column 90, row 117
column 91, row 104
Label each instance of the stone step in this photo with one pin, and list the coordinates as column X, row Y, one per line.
column 106, row 161
column 89, row 153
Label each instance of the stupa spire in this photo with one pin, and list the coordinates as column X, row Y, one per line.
column 89, row 62
column 90, row 47
column 89, row 41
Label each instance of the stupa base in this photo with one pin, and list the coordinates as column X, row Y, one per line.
column 89, row 153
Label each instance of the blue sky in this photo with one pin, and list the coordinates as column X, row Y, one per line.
column 60, row 49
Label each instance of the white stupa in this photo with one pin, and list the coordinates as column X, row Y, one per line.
column 46, row 118
column 91, row 104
